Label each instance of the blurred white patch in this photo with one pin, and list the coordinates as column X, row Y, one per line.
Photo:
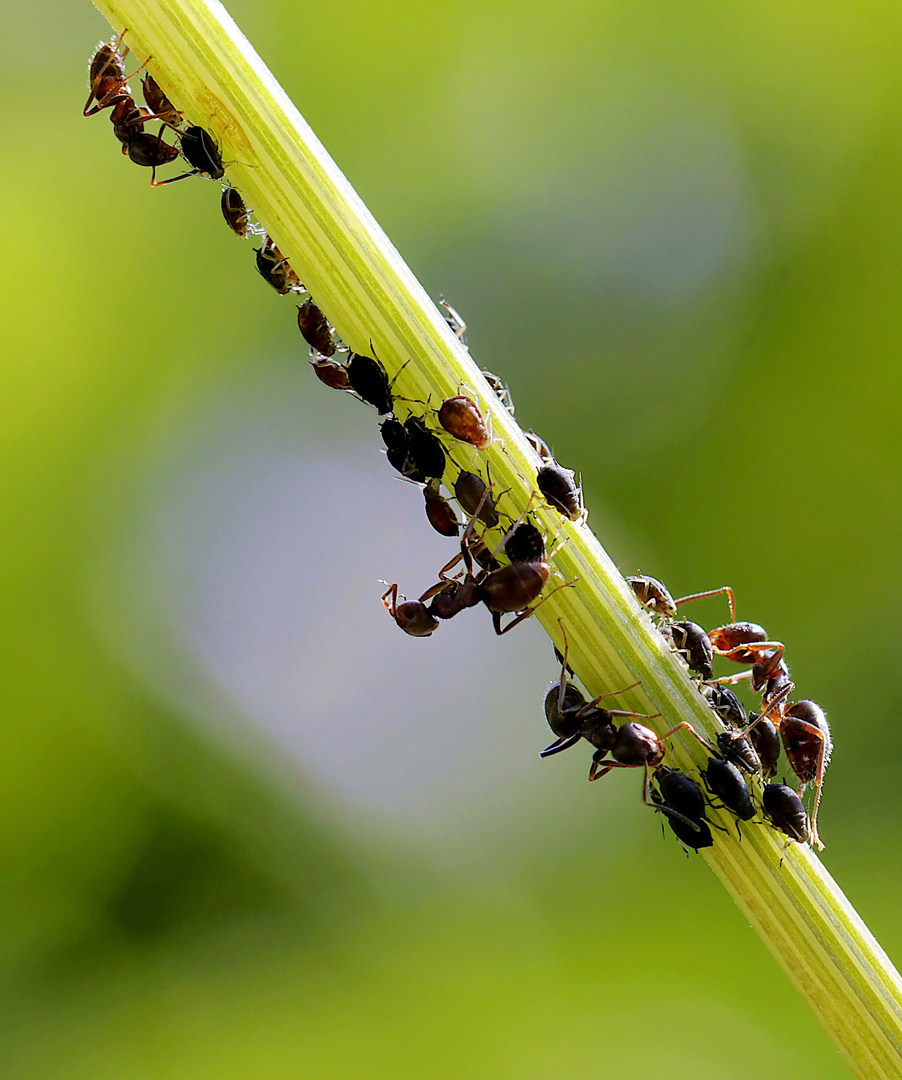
column 255, row 549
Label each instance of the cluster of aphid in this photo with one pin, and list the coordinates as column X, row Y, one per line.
column 748, row 745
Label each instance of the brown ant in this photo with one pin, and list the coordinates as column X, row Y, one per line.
column 513, row 589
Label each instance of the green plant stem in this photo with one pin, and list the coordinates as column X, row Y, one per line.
column 210, row 71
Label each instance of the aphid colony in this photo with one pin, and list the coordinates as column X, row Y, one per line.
column 511, row 578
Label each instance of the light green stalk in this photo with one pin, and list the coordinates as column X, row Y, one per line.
column 210, row 71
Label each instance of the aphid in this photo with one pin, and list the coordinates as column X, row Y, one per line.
column 693, row 644
column 524, row 543
column 315, row 328
column 471, row 492
column 539, row 445
column 439, row 511
column 785, row 810
column 653, row 595
column 559, row 487
column 455, row 322
column 106, row 75
column 370, row 382
column 681, row 795
column 397, row 450
column 726, row 782
column 331, row 373
column 160, row 106
column 235, row 212
column 273, row 267
column 199, row 149
column 424, row 448
column 727, row 706
column 501, row 390
column 765, row 738
column 150, row 151
column 739, row 751
column 412, row 616
column 460, row 417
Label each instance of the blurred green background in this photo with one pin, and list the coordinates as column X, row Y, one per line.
column 251, row 830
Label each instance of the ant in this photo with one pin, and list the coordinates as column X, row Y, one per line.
column 630, row 745
column 513, row 589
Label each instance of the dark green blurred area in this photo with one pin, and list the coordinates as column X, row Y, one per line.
column 674, row 229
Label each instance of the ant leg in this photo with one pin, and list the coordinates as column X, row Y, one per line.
column 712, row 592
column 561, row 698
column 392, row 591
column 496, row 616
column 172, row 179
column 686, row 726
column 599, row 763
column 754, row 647
column 563, row 743
column 519, row 521
column 584, row 709
column 772, row 707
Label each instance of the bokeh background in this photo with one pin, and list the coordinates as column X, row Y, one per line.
column 252, row 830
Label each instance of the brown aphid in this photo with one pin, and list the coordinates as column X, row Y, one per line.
column 439, row 511
column 460, row 417
column 274, row 268
column 539, row 445
column 235, row 211
column 160, row 106
column 653, row 595
column 691, row 641
column 315, row 328
column 331, row 373
column 500, row 388
column 560, row 489
column 412, row 616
